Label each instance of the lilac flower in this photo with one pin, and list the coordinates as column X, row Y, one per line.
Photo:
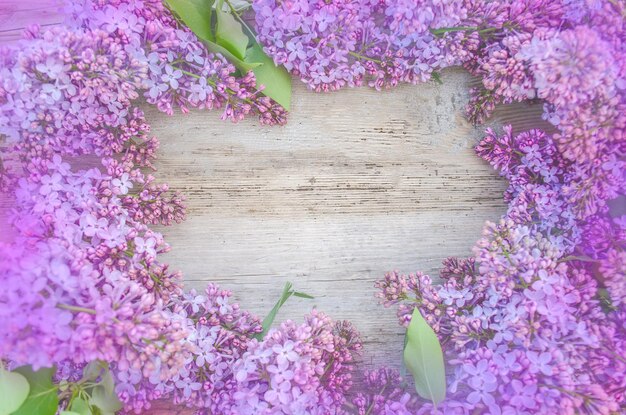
column 285, row 352
column 123, row 184
column 171, row 76
column 539, row 362
column 524, row 395
column 156, row 89
column 299, row 369
column 513, row 311
column 383, row 394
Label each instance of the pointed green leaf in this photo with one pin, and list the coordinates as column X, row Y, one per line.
column 269, row 320
column 229, row 34
column 107, row 403
column 80, row 407
column 436, row 77
column 240, row 5
column 92, row 370
column 108, row 382
column 243, row 66
column 196, row 14
column 43, row 398
column 276, row 80
column 303, row 295
column 424, row 359
column 14, row 389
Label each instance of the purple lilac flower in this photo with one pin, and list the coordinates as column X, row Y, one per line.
column 522, row 322
column 180, row 72
column 330, row 45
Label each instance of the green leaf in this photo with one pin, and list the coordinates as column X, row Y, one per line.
column 69, row 413
column 80, row 407
column 107, row 403
column 14, row 389
column 240, row 5
column 229, row 34
column 239, row 64
column 424, row 359
column 276, row 80
column 43, row 398
column 302, row 295
column 436, row 77
column 196, row 14
column 108, row 382
column 269, row 320
column 92, row 370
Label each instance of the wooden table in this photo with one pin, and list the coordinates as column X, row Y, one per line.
column 358, row 183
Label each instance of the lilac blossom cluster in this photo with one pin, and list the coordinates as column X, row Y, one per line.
column 384, row 392
column 330, row 45
column 180, row 72
column 85, row 274
column 297, row 369
column 218, row 334
column 81, row 272
column 568, row 53
column 531, row 323
column 83, row 255
column 571, row 55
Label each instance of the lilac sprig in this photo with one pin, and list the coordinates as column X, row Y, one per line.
column 73, row 269
column 218, row 333
column 524, row 324
column 384, row 393
column 297, row 369
column 181, row 73
column 334, row 45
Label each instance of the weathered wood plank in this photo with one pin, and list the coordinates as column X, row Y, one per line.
column 16, row 16
column 357, row 183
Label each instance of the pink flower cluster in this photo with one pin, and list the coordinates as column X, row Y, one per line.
column 296, row 369
column 86, row 275
column 529, row 322
column 572, row 56
column 218, row 333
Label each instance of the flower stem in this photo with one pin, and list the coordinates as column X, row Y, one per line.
column 444, row 30
column 369, row 410
column 76, row 309
column 577, row 258
column 213, row 84
column 367, row 58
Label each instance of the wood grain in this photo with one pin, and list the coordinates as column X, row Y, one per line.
column 358, row 183
column 15, row 16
